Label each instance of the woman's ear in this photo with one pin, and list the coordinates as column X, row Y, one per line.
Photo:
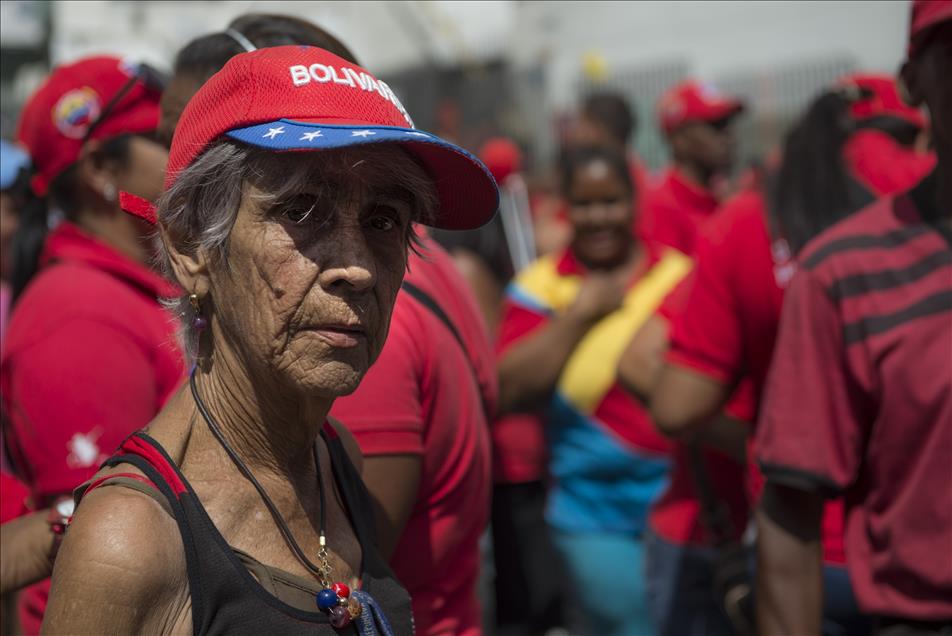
column 190, row 270
column 96, row 172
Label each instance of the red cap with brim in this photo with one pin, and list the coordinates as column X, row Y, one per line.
column 882, row 99
column 302, row 98
column 55, row 120
column 926, row 15
column 692, row 101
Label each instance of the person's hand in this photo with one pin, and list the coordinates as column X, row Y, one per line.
column 601, row 293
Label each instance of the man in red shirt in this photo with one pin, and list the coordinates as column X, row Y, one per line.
column 697, row 122
column 858, row 399
column 89, row 355
column 420, row 419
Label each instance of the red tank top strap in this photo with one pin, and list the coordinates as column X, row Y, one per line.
column 141, row 445
column 96, row 483
column 329, row 431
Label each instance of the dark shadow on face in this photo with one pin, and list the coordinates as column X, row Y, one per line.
column 711, row 145
column 600, row 210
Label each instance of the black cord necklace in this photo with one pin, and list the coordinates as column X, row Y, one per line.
column 333, row 598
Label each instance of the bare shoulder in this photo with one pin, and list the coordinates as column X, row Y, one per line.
column 120, row 568
column 350, row 444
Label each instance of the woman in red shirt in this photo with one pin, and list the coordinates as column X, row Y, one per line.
column 89, row 354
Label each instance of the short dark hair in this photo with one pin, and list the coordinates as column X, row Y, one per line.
column 611, row 110
column 204, row 56
column 574, row 158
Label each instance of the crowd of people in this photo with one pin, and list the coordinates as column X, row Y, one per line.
column 276, row 361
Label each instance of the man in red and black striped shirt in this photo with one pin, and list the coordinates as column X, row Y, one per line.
column 859, row 398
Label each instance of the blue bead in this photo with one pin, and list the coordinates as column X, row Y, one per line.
column 326, row 599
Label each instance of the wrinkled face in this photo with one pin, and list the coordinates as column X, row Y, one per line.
column 600, row 210
column 306, row 291
column 710, row 145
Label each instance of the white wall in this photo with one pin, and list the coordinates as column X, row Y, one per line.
column 385, row 35
column 714, row 38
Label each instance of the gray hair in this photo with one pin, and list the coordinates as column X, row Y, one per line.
column 199, row 210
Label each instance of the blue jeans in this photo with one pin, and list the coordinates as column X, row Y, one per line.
column 606, row 573
column 680, row 582
column 682, row 601
column 841, row 614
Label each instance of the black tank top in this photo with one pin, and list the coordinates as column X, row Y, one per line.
column 226, row 598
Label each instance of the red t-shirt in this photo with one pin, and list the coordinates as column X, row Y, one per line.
column 673, row 210
column 882, row 164
column 676, row 516
column 14, row 498
column 859, row 401
column 89, row 356
column 727, row 330
column 421, row 398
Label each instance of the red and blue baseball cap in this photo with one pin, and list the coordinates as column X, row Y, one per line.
column 93, row 98
column 303, row 98
column 880, row 98
column 693, row 101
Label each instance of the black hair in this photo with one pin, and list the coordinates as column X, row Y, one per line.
column 612, row 111
column 31, row 231
column 574, row 158
column 67, row 195
column 204, row 56
column 813, row 188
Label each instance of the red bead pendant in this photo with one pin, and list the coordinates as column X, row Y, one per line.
column 342, row 590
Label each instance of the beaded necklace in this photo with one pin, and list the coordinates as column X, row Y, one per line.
column 334, row 599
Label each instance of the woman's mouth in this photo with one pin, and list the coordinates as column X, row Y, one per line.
column 341, row 336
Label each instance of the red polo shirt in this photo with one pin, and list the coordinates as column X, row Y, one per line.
column 673, row 211
column 89, row 356
column 421, row 398
column 859, row 400
column 726, row 330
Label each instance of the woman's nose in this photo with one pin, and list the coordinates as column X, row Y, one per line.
column 350, row 261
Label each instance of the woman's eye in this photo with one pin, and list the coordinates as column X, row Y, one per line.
column 382, row 223
column 298, row 214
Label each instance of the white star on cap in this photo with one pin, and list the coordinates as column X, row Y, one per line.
column 416, row 134
column 273, row 132
column 310, row 136
column 362, row 133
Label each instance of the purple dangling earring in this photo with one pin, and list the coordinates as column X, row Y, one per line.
column 198, row 321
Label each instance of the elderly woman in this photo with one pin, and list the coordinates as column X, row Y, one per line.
column 241, row 510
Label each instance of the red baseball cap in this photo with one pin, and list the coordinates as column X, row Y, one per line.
column 882, row 99
column 926, row 14
column 93, row 98
column 298, row 98
column 692, row 101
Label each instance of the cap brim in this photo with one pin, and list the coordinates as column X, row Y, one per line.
column 725, row 110
column 467, row 191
